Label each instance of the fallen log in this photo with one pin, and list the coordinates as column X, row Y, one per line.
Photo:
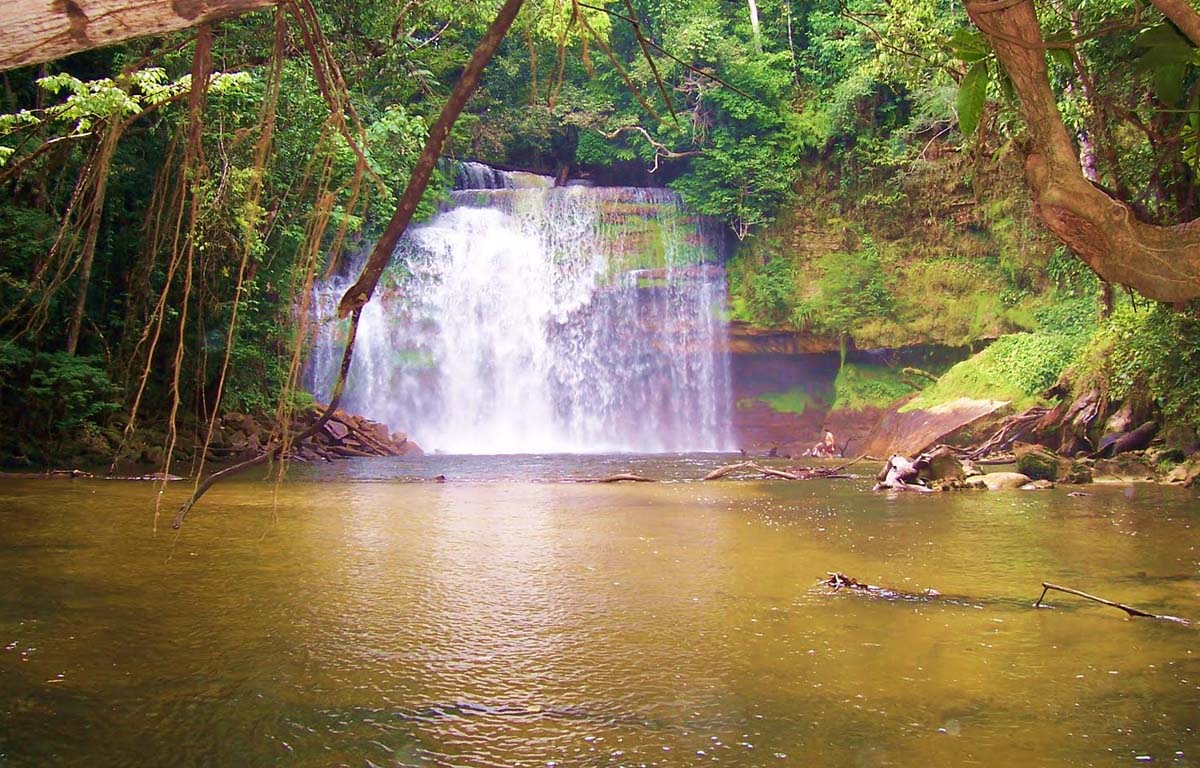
column 625, row 477
column 720, row 472
column 777, row 473
column 1129, row 609
column 1135, row 440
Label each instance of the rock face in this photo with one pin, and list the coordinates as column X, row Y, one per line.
column 914, row 431
column 998, row 481
column 1043, row 464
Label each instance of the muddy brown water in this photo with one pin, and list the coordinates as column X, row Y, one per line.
column 354, row 618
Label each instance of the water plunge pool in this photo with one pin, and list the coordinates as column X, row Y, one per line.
column 355, row 619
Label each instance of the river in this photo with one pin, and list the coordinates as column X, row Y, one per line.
column 352, row 618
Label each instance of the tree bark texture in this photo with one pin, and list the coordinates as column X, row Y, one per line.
column 1161, row 262
column 34, row 31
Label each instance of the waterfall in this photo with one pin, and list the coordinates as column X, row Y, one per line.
column 526, row 318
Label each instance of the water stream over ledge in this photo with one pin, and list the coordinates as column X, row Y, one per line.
column 528, row 318
column 492, row 621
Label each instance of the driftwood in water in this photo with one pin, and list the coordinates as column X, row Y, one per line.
column 839, row 581
column 625, row 477
column 1129, row 609
column 720, row 472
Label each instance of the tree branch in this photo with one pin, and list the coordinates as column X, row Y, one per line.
column 360, row 293
column 1162, row 263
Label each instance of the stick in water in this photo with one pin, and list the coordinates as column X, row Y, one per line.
column 1129, row 609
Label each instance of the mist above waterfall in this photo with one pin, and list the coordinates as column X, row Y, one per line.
column 532, row 319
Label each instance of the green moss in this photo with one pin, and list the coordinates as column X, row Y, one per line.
column 792, row 401
column 858, row 387
column 1017, row 368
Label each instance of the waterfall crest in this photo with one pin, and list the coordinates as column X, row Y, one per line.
column 531, row 319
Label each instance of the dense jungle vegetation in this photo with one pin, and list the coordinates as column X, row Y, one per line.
column 157, row 240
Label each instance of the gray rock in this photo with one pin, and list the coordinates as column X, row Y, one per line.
column 998, row 481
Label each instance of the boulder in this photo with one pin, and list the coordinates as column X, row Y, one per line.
column 1138, row 439
column 1181, row 438
column 1128, row 416
column 336, row 429
column 1037, row 462
column 409, row 448
column 1043, row 464
column 1124, row 468
column 1038, row 485
column 998, row 481
column 1077, row 421
column 376, row 430
column 1187, row 473
column 940, row 469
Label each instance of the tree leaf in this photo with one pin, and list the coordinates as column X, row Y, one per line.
column 972, row 92
column 1159, row 35
column 1168, row 83
column 969, row 45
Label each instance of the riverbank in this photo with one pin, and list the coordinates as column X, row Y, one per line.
column 235, row 437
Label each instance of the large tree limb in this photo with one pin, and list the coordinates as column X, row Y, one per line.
column 42, row 30
column 360, row 293
column 1161, row 262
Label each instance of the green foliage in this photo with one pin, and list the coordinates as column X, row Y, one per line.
column 852, row 290
column 1167, row 57
column 859, row 386
column 1018, row 368
column 1074, row 318
column 770, row 295
column 972, row 93
column 53, row 396
column 1070, row 275
column 1153, row 350
column 795, row 401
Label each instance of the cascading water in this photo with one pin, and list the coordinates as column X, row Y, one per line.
column 532, row 319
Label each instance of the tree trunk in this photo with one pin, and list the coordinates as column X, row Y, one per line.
column 754, row 25
column 1162, row 263
column 43, row 30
